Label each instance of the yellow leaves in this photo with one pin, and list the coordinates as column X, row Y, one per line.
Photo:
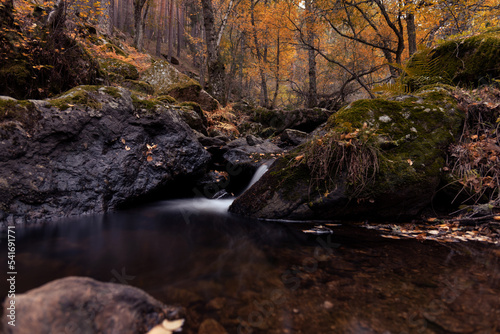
column 299, row 157
column 149, row 152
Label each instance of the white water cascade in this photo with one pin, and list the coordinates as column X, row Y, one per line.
column 209, row 205
column 258, row 174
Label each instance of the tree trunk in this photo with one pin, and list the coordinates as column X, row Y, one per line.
column 263, row 81
column 139, row 33
column 170, row 30
column 180, row 29
column 215, row 66
column 106, row 18
column 412, row 33
column 160, row 27
column 277, row 74
column 312, row 95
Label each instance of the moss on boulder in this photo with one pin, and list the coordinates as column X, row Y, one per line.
column 119, row 68
column 167, row 80
column 471, row 61
column 378, row 158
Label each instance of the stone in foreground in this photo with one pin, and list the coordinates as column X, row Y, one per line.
column 84, row 305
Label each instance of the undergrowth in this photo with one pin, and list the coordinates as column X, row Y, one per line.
column 353, row 156
column 475, row 158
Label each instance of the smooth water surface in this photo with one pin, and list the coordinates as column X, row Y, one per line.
column 264, row 277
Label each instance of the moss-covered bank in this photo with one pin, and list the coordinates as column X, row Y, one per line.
column 378, row 158
column 468, row 62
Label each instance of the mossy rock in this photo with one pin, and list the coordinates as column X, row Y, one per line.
column 196, row 108
column 468, row 62
column 164, row 77
column 167, row 99
column 24, row 112
column 139, row 86
column 120, row 68
column 80, row 96
column 382, row 158
column 269, row 118
column 193, row 119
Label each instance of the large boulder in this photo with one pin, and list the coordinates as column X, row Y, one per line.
column 377, row 158
column 90, row 150
column 84, row 305
column 469, row 62
column 167, row 80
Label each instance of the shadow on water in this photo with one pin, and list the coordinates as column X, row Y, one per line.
column 267, row 277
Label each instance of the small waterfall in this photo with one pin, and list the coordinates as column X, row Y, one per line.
column 216, row 205
column 258, row 174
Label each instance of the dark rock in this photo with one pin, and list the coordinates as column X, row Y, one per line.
column 240, row 152
column 172, row 60
column 91, row 151
column 306, row 120
column 193, row 119
column 192, row 92
column 293, row 137
column 84, row 305
column 373, row 180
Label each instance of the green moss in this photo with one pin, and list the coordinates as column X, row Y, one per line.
column 412, row 135
column 182, row 85
column 145, row 104
column 167, row 99
column 80, row 96
column 120, row 68
column 20, row 111
column 138, row 86
column 112, row 91
column 471, row 61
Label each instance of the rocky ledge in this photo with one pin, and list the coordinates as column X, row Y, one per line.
column 91, row 150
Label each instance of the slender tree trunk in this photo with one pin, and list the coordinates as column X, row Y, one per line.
column 312, row 95
column 105, row 23
column 412, row 33
column 138, row 24
column 242, row 57
column 263, row 81
column 215, row 65
column 170, row 29
column 277, row 74
column 160, row 27
column 180, row 29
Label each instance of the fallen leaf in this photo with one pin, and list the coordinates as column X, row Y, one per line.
column 149, row 158
column 127, row 148
column 299, row 157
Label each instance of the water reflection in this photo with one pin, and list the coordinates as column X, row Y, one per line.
column 264, row 277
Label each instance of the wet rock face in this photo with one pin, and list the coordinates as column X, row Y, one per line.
column 83, row 305
column 90, row 151
column 377, row 159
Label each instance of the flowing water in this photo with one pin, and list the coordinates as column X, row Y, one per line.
column 269, row 277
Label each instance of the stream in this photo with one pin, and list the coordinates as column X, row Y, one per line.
column 270, row 277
